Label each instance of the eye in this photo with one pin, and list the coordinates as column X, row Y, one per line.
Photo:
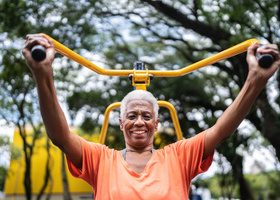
column 147, row 117
column 131, row 117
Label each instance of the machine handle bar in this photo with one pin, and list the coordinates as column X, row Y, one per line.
column 237, row 49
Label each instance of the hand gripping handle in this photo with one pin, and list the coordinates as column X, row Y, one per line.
column 265, row 60
column 38, row 52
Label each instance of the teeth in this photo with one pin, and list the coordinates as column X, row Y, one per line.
column 139, row 132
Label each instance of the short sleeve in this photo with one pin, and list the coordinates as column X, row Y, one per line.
column 91, row 158
column 190, row 152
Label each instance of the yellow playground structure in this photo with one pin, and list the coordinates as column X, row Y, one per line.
column 141, row 77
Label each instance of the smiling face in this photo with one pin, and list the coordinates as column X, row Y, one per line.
column 139, row 124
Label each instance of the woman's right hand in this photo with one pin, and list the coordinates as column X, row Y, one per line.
column 44, row 66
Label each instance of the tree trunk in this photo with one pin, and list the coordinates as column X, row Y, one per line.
column 66, row 193
column 27, row 178
column 271, row 123
column 48, row 171
column 244, row 189
column 26, row 151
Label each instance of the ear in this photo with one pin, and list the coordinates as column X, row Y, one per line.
column 121, row 124
column 156, row 124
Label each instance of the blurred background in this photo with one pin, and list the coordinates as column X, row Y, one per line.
column 113, row 34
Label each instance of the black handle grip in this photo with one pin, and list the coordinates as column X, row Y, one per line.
column 38, row 52
column 265, row 60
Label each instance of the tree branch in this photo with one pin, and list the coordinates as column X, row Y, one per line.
column 214, row 33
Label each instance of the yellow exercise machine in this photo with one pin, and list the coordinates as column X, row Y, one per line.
column 140, row 77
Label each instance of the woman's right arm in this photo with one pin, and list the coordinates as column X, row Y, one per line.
column 52, row 114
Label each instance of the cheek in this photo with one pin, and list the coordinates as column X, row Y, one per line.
column 126, row 126
column 153, row 125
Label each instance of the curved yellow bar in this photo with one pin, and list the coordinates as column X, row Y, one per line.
column 166, row 104
column 104, row 128
column 60, row 48
column 237, row 49
column 174, row 117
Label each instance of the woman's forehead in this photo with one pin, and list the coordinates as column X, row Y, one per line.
column 137, row 104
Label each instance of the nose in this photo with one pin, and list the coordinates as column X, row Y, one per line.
column 139, row 121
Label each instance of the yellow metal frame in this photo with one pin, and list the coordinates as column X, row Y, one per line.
column 104, row 128
column 237, row 49
column 165, row 104
column 141, row 78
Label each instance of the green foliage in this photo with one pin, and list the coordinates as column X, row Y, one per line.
column 166, row 35
column 163, row 138
column 115, row 138
column 263, row 185
column 4, row 142
column 6, row 151
column 3, row 175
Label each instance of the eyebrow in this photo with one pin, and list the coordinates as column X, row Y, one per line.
column 135, row 112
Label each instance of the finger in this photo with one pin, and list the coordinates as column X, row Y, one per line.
column 25, row 52
column 251, row 53
column 271, row 49
column 254, row 46
column 49, row 40
column 34, row 39
column 251, row 50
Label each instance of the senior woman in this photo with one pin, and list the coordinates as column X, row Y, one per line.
column 141, row 172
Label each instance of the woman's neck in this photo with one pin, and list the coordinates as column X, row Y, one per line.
column 139, row 150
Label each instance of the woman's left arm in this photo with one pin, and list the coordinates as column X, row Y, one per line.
column 238, row 110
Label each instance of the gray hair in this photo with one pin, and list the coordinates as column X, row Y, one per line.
column 141, row 95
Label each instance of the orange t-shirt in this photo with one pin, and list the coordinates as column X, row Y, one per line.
column 167, row 175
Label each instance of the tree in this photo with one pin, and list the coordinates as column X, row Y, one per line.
column 4, row 147
column 164, row 35
column 48, row 171
column 17, row 106
column 18, row 97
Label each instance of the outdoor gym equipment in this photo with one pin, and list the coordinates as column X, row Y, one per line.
column 141, row 77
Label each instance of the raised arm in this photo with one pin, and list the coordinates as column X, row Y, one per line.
column 52, row 114
column 238, row 110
